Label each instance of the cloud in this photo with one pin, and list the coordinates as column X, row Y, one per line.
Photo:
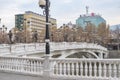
column 8, row 9
column 64, row 11
column 67, row 1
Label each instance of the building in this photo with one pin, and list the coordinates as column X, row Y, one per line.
column 92, row 18
column 32, row 21
column 114, row 43
column 83, row 20
column 93, row 28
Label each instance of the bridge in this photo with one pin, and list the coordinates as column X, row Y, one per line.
column 89, row 49
column 61, row 68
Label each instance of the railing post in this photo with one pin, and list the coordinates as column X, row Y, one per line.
column 46, row 67
column 10, row 48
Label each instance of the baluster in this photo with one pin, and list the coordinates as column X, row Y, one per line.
column 20, row 68
column 64, row 66
column 10, row 64
column 15, row 65
column 110, row 70
column 72, row 68
column 77, row 69
column 68, row 68
column 0, row 63
column 18, row 65
column 95, row 69
column 27, row 65
column 23, row 65
column 118, row 70
column 33, row 65
column 115, row 70
column 105, row 70
column 81, row 69
column 60, row 68
column 100, row 69
column 5, row 63
column 90, row 69
column 38, row 66
column 86, row 69
column 56, row 69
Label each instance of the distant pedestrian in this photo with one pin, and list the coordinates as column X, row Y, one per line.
column 10, row 36
column 35, row 36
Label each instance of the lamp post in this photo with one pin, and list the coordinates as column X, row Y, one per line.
column 45, row 4
column 46, row 70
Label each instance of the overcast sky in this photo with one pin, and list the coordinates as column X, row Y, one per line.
column 62, row 10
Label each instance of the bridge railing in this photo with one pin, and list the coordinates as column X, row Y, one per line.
column 35, row 47
column 22, row 65
column 74, row 68
column 87, row 68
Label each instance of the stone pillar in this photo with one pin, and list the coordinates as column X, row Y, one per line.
column 101, row 55
column 46, row 68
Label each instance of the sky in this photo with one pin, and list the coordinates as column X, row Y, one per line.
column 62, row 10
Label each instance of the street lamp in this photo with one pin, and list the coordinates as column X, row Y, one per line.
column 45, row 4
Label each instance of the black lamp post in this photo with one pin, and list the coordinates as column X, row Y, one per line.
column 45, row 4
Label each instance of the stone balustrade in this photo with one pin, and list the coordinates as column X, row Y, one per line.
column 93, row 69
column 88, row 68
column 21, row 65
column 22, row 49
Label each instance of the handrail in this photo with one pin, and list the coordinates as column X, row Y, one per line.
column 23, row 65
column 24, row 49
column 84, row 68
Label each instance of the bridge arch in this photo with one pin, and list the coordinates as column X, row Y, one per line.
column 80, row 52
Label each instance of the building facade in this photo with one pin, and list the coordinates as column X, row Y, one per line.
column 94, row 28
column 92, row 18
column 29, row 23
column 32, row 21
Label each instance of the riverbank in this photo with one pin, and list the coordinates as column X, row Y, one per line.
column 114, row 54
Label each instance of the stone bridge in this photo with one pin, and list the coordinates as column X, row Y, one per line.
column 89, row 49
